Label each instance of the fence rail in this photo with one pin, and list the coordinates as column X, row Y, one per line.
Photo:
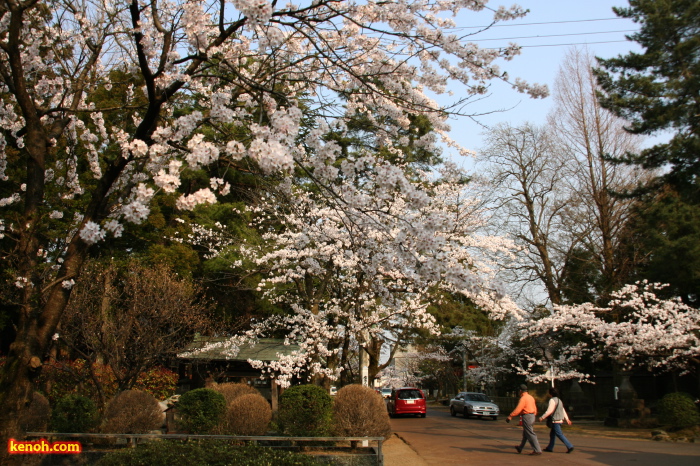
column 372, row 443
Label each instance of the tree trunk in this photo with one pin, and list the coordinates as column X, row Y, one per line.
column 37, row 325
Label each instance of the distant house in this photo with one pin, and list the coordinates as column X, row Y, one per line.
column 197, row 369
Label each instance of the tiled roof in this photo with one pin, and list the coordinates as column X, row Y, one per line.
column 266, row 349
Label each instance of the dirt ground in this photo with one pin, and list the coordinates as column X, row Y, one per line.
column 399, row 453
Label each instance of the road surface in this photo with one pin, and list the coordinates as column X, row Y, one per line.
column 440, row 439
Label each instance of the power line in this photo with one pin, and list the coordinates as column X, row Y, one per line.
column 574, row 43
column 534, row 24
column 556, row 35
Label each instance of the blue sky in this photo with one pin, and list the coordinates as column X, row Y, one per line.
column 544, row 34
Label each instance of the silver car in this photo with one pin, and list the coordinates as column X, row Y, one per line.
column 474, row 404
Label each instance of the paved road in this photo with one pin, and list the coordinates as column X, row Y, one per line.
column 445, row 440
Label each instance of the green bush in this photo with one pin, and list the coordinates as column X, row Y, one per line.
column 205, row 453
column 305, row 410
column 678, row 411
column 359, row 411
column 132, row 412
column 200, row 410
column 74, row 414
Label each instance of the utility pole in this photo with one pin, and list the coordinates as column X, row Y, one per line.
column 464, row 367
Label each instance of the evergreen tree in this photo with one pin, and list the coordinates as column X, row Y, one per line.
column 658, row 90
column 668, row 234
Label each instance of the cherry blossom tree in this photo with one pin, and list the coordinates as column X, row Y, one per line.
column 363, row 265
column 489, row 355
column 416, row 368
column 104, row 104
column 635, row 329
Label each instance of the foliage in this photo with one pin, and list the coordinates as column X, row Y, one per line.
column 203, row 453
column 74, row 414
column 247, row 414
column 421, row 367
column 132, row 412
column 157, row 381
column 60, row 378
column 231, row 390
column 456, row 310
column 200, row 410
column 66, row 377
column 359, row 411
column 581, row 277
column 37, row 417
column 667, row 232
column 129, row 315
column 657, row 90
column 305, row 410
column 678, row 410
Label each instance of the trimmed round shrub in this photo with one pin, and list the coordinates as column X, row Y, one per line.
column 305, row 410
column 359, row 411
column 36, row 417
column 204, row 453
column 132, row 412
column 678, row 411
column 74, row 414
column 231, row 391
column 200, row 410
column 247, row 415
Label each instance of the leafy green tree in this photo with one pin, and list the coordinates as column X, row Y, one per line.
column 668, row 234
column 452, row 310
column 658, row 90
column 581, row 279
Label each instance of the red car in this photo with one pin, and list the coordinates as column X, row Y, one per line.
column 406, row 400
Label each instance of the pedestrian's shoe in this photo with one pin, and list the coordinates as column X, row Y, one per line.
column 519, row 448
column 570, row 450
column 548, row 450
column 535, row 453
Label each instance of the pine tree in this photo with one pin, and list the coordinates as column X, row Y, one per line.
column 658, row 90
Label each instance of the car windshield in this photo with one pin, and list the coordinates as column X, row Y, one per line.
column 409, row 395
column 477, row 397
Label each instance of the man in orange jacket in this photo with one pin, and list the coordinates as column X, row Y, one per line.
column 528, row 410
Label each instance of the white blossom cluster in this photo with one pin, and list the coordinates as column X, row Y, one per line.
column 636, row 329
column 489, row 353
column 363, row 262
column 238, row 65
column 559, row 363
column 408, row 373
